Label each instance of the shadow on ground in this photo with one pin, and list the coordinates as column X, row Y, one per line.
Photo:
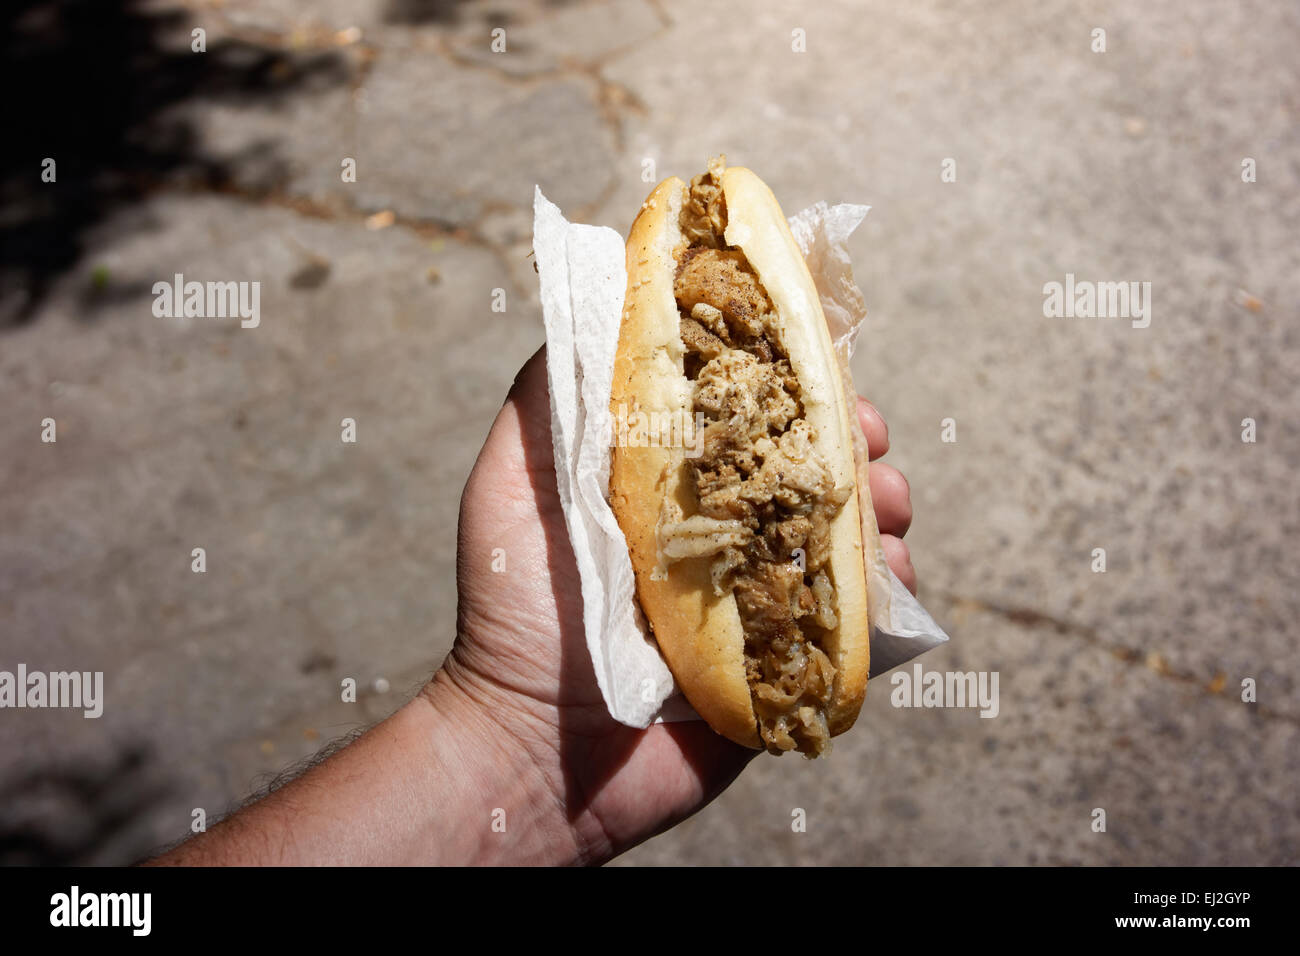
column 445, row 12
column 94, row 85
column 80, row 814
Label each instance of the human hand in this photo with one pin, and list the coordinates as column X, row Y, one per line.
column 521, row 660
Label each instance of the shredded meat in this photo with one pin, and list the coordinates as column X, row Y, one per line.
column 766, row 497
column 701, row 344
column 723, row 280
column 704, row 214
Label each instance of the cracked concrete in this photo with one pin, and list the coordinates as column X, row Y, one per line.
column 1119, row 690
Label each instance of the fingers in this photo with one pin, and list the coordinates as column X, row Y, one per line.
column 529, row 388
column 874, row 427
column 892, row 499
column 890, row 495
column 527, row 408
column 900, row 560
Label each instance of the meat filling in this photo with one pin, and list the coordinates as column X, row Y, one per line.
column 766, row 497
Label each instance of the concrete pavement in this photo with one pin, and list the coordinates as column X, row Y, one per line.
column 1119, row 690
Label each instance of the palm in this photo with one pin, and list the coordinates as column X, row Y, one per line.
column 521, row 633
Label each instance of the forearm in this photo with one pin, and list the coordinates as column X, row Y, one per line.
column 426, row 786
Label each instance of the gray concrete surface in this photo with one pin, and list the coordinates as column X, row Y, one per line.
column 1118, row 690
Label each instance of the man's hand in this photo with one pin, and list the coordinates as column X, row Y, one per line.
column 521, row 655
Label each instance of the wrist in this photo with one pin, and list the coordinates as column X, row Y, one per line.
column 490, row 778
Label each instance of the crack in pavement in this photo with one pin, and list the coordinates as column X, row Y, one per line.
column 613, row 102
column 609, row 98
column 341, row 210
column 1031, row 618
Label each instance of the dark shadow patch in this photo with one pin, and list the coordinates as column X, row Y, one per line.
column 449, row 12
column 424, row 11
column 96, row 85
column 80, row 814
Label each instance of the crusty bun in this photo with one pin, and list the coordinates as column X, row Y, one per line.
column 696, row 621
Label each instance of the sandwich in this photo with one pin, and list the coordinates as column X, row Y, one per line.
column 746, row 535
